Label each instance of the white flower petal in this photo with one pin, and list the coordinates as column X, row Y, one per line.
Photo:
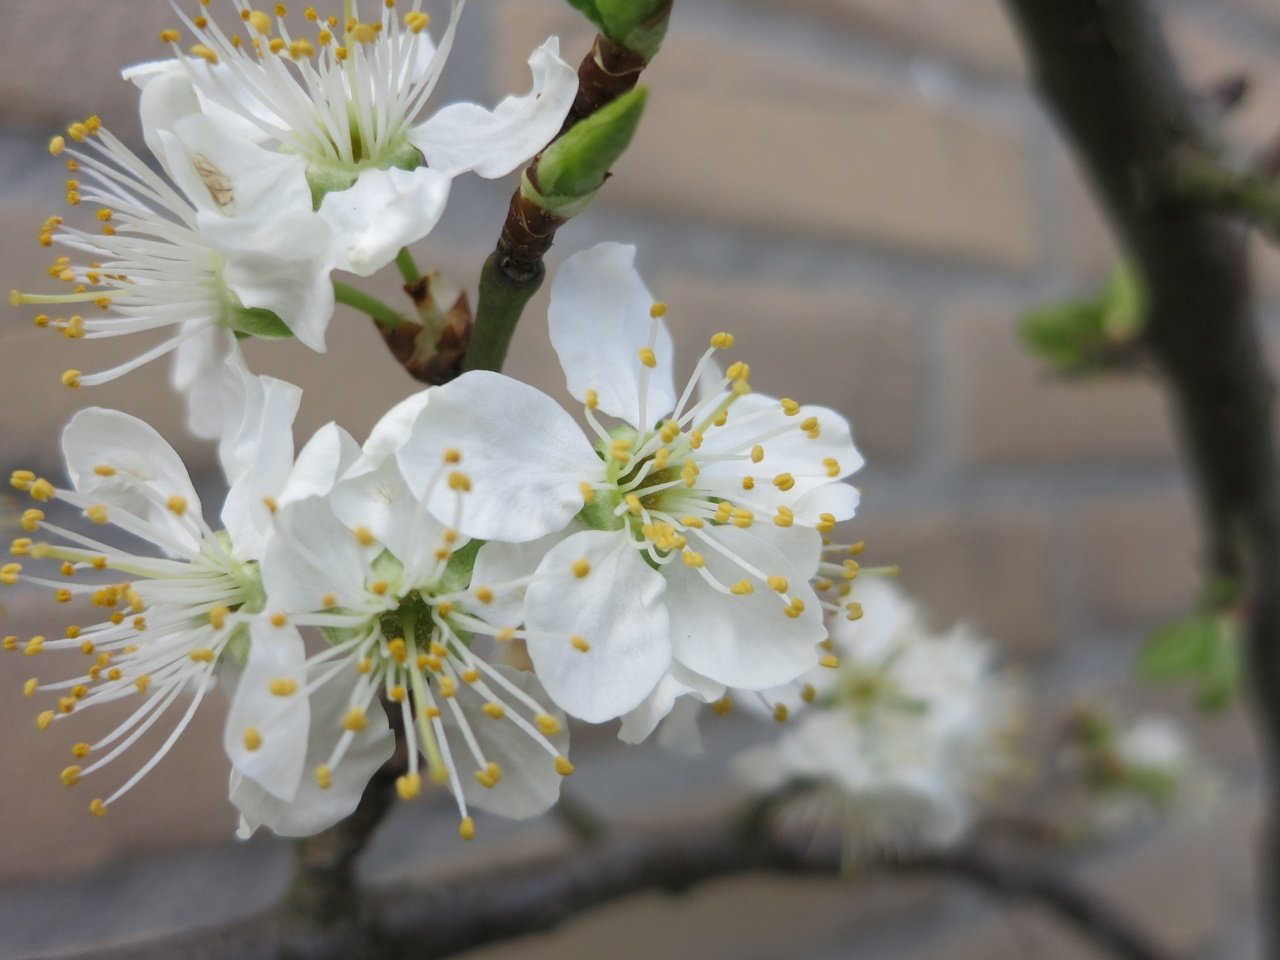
column 390, row 433
column 208, row 370
column 326, row 456
column 465, row 136
column 281, row 265
column 742, row 641
column 382, row 503
column 266, row 732
column 141, row 458
column 384, row 211
column 525, row 457
column 599, row 319
column 530, row 783
column 260, row 462
column 313, row 556
column 313, row 808
column 679, row 684
column 616, row 608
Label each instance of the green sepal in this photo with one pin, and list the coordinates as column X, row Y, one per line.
column 256, row 322
column 600, row 513
column 457, row 572
column 638, row 25
column 575, row 166
column 326, row 178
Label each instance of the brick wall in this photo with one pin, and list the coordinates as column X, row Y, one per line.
column 868, row 194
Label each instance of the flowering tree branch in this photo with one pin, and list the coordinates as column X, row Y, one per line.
column 458, row 914
column 1104, row 68
column 515, row 271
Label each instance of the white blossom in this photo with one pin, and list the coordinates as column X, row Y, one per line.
column 340, row 100
column 404, row 602
column 906, row 736
column 680, row 542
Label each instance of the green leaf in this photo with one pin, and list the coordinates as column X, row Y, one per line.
column 1066, row 333
column 574, row 167
column 1124, row 304
column 589, row 10
column 1222, row 675
column 1179, row 650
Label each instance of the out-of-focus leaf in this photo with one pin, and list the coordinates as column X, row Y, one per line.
column 1124, row 304
column 1179, row 650
column 1065, row 334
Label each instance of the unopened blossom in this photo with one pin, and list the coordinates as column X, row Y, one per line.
column 404, row 602
column 674, row 547
column 905, row 737
column 214, row 246
column 167, row 617
column 343, row 97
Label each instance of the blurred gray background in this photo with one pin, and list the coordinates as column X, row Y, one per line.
column 868, row 194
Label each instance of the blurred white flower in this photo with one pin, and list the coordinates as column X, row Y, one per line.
column 906, row 737
column 673, row 554
column 339, row 100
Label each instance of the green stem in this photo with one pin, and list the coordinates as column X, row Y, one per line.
column 383, row 315
column 502, row 300
column 408, row 268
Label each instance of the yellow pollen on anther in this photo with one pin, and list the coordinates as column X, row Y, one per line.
column 778, row 584
column 380, row 587
column 365, row 537
column 177, row 505
column 202, row 655
column 252, row 739
column 142, row 683
column 279, row 620
column 81, row 750
column 780, row 713
column 808, row 694
column 459, row 482
column 548, row 724
column 283, row 687
column 30, row 687
column 44, row 719
column 355, row 720
column 166, row 36
column 658, row 310
column 21, row 547
column 648, row 357
column 483, row 594
column 271, row 504
column 784, row 517
column 789, row 406
column 448, row 687
column 784, row 482
column 71, row 378
column 581, row 567
column 591, row 399
column 205, row 53
column 693, row 559
column 408, row 786
column 98, row 808
column 417, row 21
column 742, row 588
column 467, row 829
column 830, row 662
column 324, row 776
column 722, row 340
column 563, row 766
column 722, row 706
column 580, row 643
column 97, row 513
column 9, row 573
column 31, row 520
column 364, row 665
column 494, row 710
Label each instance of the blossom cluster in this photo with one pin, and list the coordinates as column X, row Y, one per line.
column 669, row 544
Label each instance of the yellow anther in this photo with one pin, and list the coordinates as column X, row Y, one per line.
column 722, row 341
column 252, row 739
column 448, row 687
column 483, row 594
column 648, row 357
column 780, row 713
column 485, row 780
column 98, row 808
column 70, row 776
column 830, row 661
column 634, row 506
column 9, row 573
column 789, row 406
column 144, row 681
column 30, row 687
column 467, row 829
column 21, row 547
column 722, row 706
column 548, row 724
column 738, row 371
column 592, row 399
column 355, row 720
column 10, row 643
column 563, row 766
column 380, row 587
column 580, row 643
column 62, row 595
column 22, row 480
column 364, row 665
column 204, row 53
column 743, row 518
column 826, row 522
column 44, row 719
column 177, row 505
column 283, row 687
column 694, row 559
column 471, row 675
column 581, row 567
column 784, row 482
column 742, row 588
column 71, row 378
column 778, row 584
column 364, row 536
column 417, row 21
column 81, row 750
column 505, row 635
column 31, row 520
column 833, row 466
column 364, row 33
column 97, row 513
column 850, row 569
column 324, row 776
column 748, row 483
column 808, row 694
column 409, row 786
column 784, row 517
column 203, row 655
column 271, row 504
column 495, row 710
column 459, row 482
column 658, row 310
column 302, row 49
column 258, row 19
column 57, row 145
